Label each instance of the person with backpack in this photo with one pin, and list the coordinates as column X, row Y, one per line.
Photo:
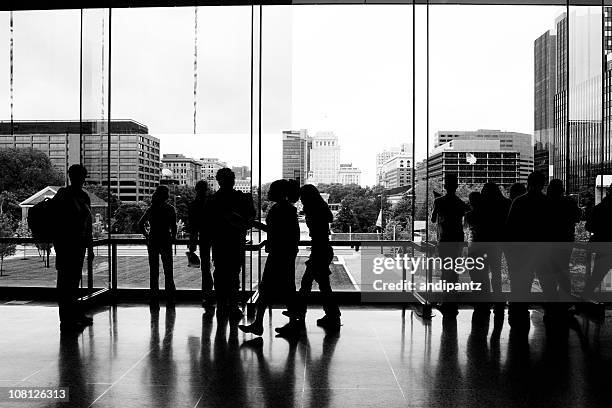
column 160, row 218
column 72, row 238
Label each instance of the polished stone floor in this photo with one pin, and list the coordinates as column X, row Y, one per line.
column 179, row 357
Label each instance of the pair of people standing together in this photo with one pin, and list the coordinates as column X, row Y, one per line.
column 283, row 235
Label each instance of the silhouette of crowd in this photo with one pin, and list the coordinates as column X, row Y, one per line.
column 534, row 231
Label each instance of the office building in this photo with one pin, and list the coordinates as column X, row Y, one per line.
column 242, row 172
column 349, row 174
column 580, row 153
column 545, row 63
column 384, row 156
column 325, row 158
column 210, row 167
column 186, row 171
column 296, row 155
column 243, row 185
column 508, row 141
column 134, row 154
column 397, row 172
column 474, row 162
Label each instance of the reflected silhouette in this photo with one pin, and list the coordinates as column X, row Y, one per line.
column 219, row 371
column 162, row 367
column 318, row 370
column 72, row 371
column 448, row 376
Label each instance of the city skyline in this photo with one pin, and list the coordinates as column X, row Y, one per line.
column 354, row 95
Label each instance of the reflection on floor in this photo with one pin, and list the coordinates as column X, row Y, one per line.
column 137, row 357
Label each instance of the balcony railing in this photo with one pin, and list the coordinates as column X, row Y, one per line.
column 120, row 267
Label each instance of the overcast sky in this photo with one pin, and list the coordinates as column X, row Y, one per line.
column 346, row 69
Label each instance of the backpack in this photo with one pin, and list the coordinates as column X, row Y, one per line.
column 41, row 221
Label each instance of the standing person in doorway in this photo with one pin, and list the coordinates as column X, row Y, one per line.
column 199, row 235
column 158, row 225
column 283, row 236
column 448, row 212
column 230, row 213
column 318, row 217
column 72, row 238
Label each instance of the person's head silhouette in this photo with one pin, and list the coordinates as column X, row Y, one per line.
column 226, row 178
column 77, row 174
column 555, row 189
column 201, row 188
column 451, row 183
column 535, row 181
column 160, row 195
column 277, row 191
column 517, row 189
column 491, row 191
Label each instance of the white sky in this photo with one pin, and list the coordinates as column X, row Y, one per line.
column 346, row 69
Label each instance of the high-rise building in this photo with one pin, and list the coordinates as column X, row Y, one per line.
column 474, row 162
column 545, row 85
column 508, row 141
column 296, row 155
column 325, row 158
column 242, row 172
column 384, row 156
column 210, row 167
column 349, row 174
column 185, row 170
column 580, row 152
column 134, row 154
column 397, row 171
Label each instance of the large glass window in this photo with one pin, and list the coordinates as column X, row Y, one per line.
column 374, row 104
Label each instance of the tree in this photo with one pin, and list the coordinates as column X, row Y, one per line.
column 401, row 212
column 27, row 169
column 182, row 197
column 6, row 231
column 345, row 221
column 127, row 217
column 102, row 192
column 23, row 231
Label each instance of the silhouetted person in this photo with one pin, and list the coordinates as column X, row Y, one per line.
column 564, row 214
column 230, row 214
column 599, row 223
column 283, row 236
column 318, row 216
column 475, row 220
column 199, row 235
column 448, row 212
column 496, row 208
column 73, row 238
column 528, row 227
column 158, row 225
column 511, row 250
